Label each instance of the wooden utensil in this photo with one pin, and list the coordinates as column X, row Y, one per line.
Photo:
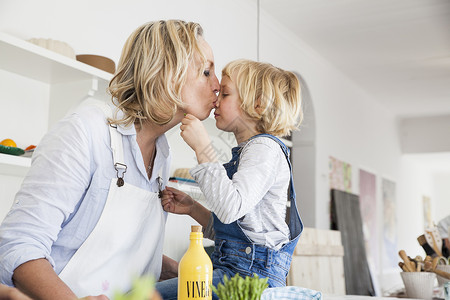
column 410, row 266
column 402, row 266
column 428, row 267
column 434, row 239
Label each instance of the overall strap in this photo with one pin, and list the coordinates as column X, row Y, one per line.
column 295, row 223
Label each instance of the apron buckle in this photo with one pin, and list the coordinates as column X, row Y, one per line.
column 160, row 187
column 117, row 166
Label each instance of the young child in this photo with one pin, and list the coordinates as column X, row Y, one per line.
column 247, row 195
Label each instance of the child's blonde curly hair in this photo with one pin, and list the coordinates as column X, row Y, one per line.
column 271, row 96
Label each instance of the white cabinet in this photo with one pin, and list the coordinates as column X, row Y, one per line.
column 37, row 88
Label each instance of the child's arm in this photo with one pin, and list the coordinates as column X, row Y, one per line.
column 260, row 165
column 177, row 202
column 194, row 134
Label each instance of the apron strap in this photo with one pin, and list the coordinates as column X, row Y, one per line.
column 116, row 140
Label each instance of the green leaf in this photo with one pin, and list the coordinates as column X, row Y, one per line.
column 142, row 289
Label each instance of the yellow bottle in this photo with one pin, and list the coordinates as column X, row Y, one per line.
column 195, row 269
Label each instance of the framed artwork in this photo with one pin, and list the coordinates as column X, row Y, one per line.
column 340, row 175
column 390, row 239
column 368, row 206
column 427, row 219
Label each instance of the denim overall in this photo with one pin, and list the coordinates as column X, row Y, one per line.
column 235, row 253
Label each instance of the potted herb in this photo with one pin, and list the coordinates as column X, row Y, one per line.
column 238, row 288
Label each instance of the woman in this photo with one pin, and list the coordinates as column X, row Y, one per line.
column 87, row 218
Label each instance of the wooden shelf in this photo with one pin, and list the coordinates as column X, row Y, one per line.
column 14, row 165
column 29, row 60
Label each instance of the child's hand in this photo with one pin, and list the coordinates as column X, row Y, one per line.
column 195, row 135
column 176, row 202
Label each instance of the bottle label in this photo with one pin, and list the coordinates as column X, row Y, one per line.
column 198, row 289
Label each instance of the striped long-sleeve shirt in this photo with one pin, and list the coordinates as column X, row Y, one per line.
column 256, row 194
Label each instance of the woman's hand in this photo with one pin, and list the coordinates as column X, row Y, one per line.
column 177, row 202
column 10, row 293
column 195, row 135
column 99, row 297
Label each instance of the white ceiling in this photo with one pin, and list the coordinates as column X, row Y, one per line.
column 398, row 51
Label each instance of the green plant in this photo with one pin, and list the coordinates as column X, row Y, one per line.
column 142, row 290
column 238, row 288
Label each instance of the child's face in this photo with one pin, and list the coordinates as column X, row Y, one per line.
column 228, row 114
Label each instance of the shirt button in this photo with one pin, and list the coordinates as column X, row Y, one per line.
column 248, row 250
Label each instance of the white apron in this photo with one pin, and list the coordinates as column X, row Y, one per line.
column 126, row 242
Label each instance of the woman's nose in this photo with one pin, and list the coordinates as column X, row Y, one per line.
column 215, row 84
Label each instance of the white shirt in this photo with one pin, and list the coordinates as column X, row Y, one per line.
column 63, row 195
column 256, row 195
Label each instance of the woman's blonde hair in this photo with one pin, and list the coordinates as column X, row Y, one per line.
column 153, row 69
column 270, row 96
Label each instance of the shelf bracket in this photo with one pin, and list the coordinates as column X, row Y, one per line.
column 94, row 86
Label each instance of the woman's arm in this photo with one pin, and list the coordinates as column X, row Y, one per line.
column 37, row 279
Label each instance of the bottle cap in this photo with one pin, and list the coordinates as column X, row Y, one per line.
column 196, row 228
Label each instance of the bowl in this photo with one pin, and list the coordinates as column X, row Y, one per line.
column 98, row 61
column 445, row 268
column 54, row 45
column 419, row 284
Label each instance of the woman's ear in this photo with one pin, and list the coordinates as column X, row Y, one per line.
column 258, row 107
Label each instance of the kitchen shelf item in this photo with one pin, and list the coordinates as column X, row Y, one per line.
column 11, row 150
column 54, row 45
column 98, row 61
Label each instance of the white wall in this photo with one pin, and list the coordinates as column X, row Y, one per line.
column 102, row 26
column 352, row 126
column 441, row 184
column 349, row 124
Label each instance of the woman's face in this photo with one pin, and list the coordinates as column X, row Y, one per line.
column 199, row 94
